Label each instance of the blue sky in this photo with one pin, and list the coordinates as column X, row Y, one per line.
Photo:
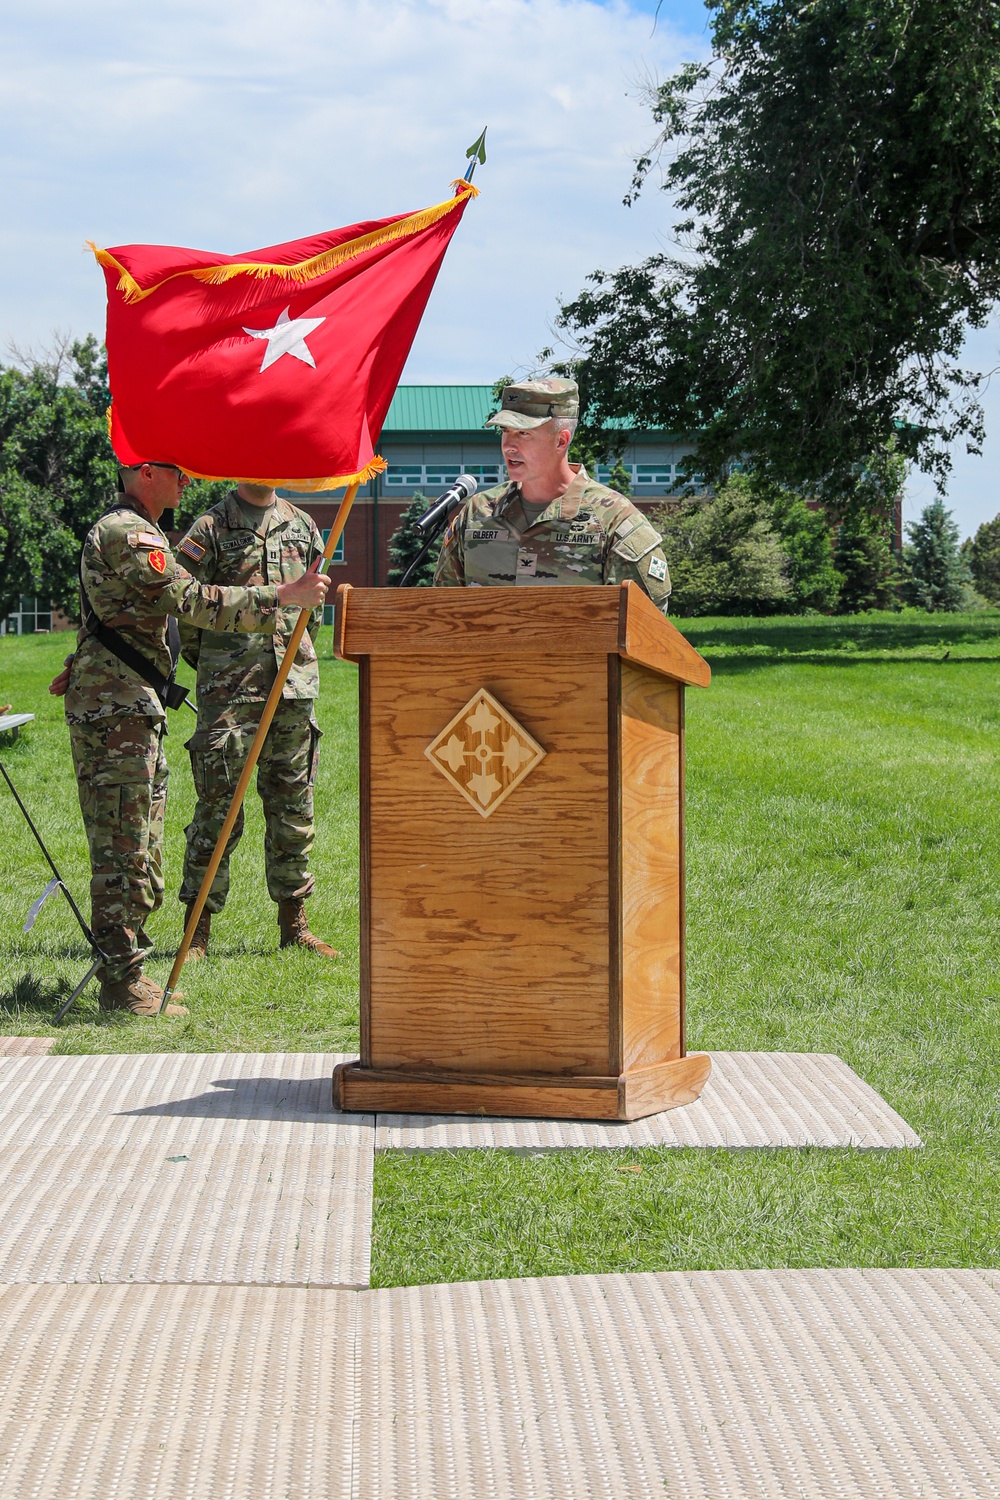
column 230, row 124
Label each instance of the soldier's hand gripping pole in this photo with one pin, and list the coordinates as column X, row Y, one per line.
column 274, row 698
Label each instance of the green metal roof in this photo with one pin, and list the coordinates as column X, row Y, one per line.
column 464, row 408
column 439, row 408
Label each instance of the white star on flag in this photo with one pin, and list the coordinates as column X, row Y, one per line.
column 288, row 336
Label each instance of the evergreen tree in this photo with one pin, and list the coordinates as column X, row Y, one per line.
column 983, row 556
column 723, row 553
column 936, row 573
column 404, row 544
column 863, row 557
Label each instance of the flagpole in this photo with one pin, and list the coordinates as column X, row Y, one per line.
column 274, row 698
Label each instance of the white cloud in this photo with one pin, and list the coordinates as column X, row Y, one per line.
column 230, row 125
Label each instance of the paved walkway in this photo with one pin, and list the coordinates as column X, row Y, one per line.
column 160, row 1217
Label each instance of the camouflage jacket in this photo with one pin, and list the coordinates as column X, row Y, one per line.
column 222, row 548
column 590, row 534
column 134, row 582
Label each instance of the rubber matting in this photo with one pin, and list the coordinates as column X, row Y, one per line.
column 176, row 1393
column 182, row 1168
column 174, row 1099
column 750, row 1099
column 24, row 1046
column 759, row 1385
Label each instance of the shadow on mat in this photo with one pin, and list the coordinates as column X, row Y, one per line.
column 257, row 1099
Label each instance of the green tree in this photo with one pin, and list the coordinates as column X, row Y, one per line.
column 936, row 573
column 404, row 544
column 808, row 546
column 983, row 556
column 36, row 549
column 835, row 170
column 863, row 557
column 200, row 495
column 724, row 555
column 57, row 472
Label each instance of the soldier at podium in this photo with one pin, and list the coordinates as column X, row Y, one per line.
column 551, row 523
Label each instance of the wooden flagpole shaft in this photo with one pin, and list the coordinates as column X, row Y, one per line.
column 274, row 698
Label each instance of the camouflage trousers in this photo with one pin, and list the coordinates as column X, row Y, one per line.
column 286, row 773
column 121, row 776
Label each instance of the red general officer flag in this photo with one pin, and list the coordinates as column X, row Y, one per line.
column 275, row 367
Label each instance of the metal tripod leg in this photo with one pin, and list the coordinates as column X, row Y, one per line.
column 57, row 882
column 63, row 1010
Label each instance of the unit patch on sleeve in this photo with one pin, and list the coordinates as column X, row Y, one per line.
column 192, row 549
column 657, row 569
column 158, row 561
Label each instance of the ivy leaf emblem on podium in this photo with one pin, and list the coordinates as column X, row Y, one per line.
column 484, row 752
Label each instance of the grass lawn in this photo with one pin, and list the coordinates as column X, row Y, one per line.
column 247, row 997
column 843, row 896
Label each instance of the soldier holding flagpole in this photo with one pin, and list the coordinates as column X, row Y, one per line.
column 253, row 537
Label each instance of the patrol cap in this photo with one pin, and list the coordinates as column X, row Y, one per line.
column 531, row 403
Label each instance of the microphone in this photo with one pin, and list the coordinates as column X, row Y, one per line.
column 464, row 486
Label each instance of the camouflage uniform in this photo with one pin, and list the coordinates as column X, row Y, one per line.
column 234, row 680
column 117, row 723
column 590, row 534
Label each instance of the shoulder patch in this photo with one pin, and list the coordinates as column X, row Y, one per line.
column 657, row 569
column 158, row 561
column 640, row 540
column 629, row 524
column 192, row 549
column 145, row 539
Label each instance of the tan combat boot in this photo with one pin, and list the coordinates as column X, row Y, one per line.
column 295, row 928
column 140, row 996
column 199, row 943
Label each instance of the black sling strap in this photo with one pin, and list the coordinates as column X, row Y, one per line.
column 170, row 693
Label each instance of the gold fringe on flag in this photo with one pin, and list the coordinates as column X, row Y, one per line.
column 300, row 486
column 304, row 486
column 304, row 270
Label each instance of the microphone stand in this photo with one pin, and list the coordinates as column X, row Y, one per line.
column 404, row 582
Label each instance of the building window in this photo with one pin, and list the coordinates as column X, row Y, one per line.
column 32, row 617
column 338, row 557
column 487, row 474
column 660, row 475
column 338, row 551
column 439, row 476
column 404, row 476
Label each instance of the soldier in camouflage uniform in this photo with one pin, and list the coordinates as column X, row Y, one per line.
column 117, row 722
column 551, row 524
column 250, row 538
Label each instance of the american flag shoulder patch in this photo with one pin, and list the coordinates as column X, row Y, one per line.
column 192, row 549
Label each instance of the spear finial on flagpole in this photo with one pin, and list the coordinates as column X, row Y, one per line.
column 476, row 153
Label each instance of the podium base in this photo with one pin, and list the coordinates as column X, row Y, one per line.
column 411, row 1091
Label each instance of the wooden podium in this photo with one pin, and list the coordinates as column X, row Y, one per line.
column 522, row 852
